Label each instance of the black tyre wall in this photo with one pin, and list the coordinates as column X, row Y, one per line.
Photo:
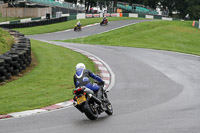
column 17, row 59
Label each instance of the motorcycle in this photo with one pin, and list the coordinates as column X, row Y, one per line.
column 105, row 22
column 86, row 101
column 77, row 28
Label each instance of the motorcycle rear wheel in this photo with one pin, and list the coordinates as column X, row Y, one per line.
column 90, row 112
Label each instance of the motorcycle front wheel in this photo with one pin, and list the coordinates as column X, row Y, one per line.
column 109, row 107
column 90, row 111
column 109, row 110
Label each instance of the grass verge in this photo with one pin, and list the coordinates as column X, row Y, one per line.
column 50, row 82
column 65, row 25
column 6, row 40
column 162, row 35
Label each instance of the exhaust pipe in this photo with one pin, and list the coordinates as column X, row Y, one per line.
column 74, row 103
column 95, row 99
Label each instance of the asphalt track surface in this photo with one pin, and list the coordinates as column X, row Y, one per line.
column 154, row 92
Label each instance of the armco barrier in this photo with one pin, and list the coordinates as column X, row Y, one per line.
column 134, row 15
column 38, row 18
column 80, row 16
column 89, row 15
column 157, row 17
column 13, row 22
column 125, row 14
column 73, row 16
column 17, row 59
column 141, row 15
column 149, row 16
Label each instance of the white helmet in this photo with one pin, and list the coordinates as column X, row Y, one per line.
column 80, row 65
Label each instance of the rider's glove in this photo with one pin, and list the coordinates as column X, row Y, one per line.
column 102, row 83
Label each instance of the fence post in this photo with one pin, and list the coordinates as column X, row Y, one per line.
column 199, row 23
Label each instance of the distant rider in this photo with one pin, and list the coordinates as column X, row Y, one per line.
column 78, row 24
column 104, row 19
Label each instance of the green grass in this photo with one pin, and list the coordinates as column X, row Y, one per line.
column 5, row 41
column 50, row 82
column 163, row 35
column 64, row 25
column 3, row 19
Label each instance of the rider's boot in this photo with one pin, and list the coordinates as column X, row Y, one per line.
column 102, row 107
column 100, row 93
column 99, row 96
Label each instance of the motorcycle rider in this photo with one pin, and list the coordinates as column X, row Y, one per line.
column 81, row 78
column 78, row 24
column 104, row 19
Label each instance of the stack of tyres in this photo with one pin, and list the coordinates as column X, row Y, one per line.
column 16, row 34
column 12, row 32
column 7, row 66
column 17, row 59
column 24, row 59
column 5, row 69
column 14, row 66
column 23, row 40
column 23, row 45
column 21, row 62
column 2, row 69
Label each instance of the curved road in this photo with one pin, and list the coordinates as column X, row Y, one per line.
column 154, row 92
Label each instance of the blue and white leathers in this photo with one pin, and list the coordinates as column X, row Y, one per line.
column 82, row 78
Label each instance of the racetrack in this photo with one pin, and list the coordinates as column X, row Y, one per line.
column 154, row 92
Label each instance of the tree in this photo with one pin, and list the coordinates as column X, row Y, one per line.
column 71, row 1
column 90, row 3
column 151, row 3
column 193, row 9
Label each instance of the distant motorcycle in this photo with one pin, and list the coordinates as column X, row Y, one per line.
column 86, row 101
column 105, row 22
column 77, row 28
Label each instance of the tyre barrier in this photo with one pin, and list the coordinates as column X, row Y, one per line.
column 34, row 23
column 17, row 59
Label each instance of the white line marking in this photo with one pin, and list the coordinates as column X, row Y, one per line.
column 92, row 58
column 26, row 113
column 65, row 104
